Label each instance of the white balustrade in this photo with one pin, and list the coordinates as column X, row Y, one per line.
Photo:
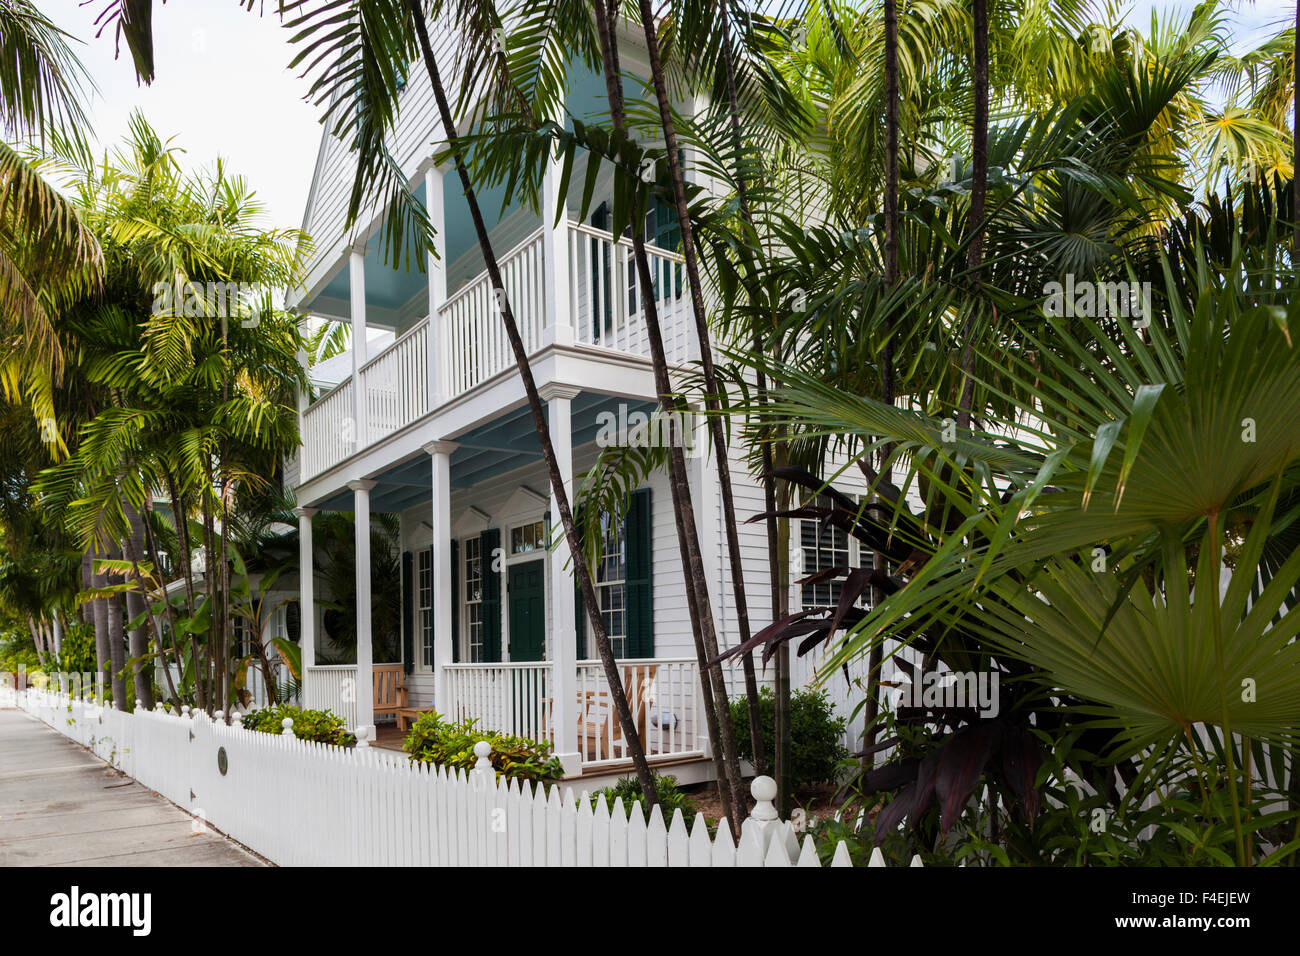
column 606, row 313
column 664, row 699
column 396, row 383
column 329, row 432
column 606, row 299
column 510, row 698
column 333, row 687
column 475, row 341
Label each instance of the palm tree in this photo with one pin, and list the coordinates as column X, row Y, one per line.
column 722, row 452
column 47, row 255
column 179, row 401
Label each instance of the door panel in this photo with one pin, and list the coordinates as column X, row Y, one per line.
column 527, row 595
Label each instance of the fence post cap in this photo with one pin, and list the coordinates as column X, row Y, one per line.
column 482, row 750
column 763, row 789
column 217, row 715
column 287, row 725
column 139, row 704
column 185, row 710
column 361, row 733
column 237, row 719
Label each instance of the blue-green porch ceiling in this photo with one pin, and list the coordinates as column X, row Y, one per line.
column 483, row 453
column 396, row 294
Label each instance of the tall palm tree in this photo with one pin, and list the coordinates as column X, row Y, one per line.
column 721, row 449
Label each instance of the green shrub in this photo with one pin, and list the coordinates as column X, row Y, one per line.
column 669, row 796
column 451, row 744
column 77, row 652
column 815, row 749
column 321, row 726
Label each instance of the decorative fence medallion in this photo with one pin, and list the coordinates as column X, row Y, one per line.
column 222, row 763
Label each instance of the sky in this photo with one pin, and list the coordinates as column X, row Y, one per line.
column 224, row 87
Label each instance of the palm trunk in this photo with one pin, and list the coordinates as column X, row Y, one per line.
column 180, row 515
column 876, row 655
column 721, row 451
column 979, row 190
column 769, row 490
column 208, row 696
column 581, row 570
column 117, row 650
column 137, row 606
column 151, row 546
column 99, row 612
column 678, row 482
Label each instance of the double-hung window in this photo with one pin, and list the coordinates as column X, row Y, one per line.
column 611, row 580
column 825, row 546
column 424, row 604
column 472, row 555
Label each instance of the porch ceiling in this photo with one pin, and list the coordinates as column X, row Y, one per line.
column 397, row 295
column 494, row 448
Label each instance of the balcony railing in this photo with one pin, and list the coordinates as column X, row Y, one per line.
column 605, row 312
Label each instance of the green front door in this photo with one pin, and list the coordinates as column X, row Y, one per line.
column 526, row 587
column 526, row 590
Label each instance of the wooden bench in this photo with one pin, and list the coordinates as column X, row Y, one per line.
column 389, row 689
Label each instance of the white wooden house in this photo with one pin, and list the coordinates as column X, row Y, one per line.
column 429, row 421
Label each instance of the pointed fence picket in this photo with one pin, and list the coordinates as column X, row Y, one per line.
column 301, row 803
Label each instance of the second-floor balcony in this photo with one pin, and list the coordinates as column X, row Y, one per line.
column 587, row 299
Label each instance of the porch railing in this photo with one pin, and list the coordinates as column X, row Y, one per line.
column 333, row 687
column 663, row 695
column 664, row 698
column 605, row 296
column 476, row 344
column 329, row 430
column 396, row 383
column 510, row 698
column 605, row 313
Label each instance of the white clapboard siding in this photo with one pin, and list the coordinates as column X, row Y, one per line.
column 299, row 803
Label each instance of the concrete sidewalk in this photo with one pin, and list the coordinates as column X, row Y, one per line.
column 62, row 806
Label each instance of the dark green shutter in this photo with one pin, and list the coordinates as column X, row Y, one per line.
column 490, row 608
column 455, row 600
column 408, row 613
column 638, row 533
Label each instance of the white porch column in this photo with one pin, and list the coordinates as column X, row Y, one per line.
column 444, row 601
column 365, row 689
column 306, row 599
column 562, row 648
column 433, row 204
column 302, row 397
column 357, row 280
column 555, row 256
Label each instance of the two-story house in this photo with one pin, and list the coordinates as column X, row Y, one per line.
column 431, row 424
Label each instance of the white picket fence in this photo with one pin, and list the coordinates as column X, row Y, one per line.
column 299, row 803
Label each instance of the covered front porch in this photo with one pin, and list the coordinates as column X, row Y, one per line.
column 492, row 629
